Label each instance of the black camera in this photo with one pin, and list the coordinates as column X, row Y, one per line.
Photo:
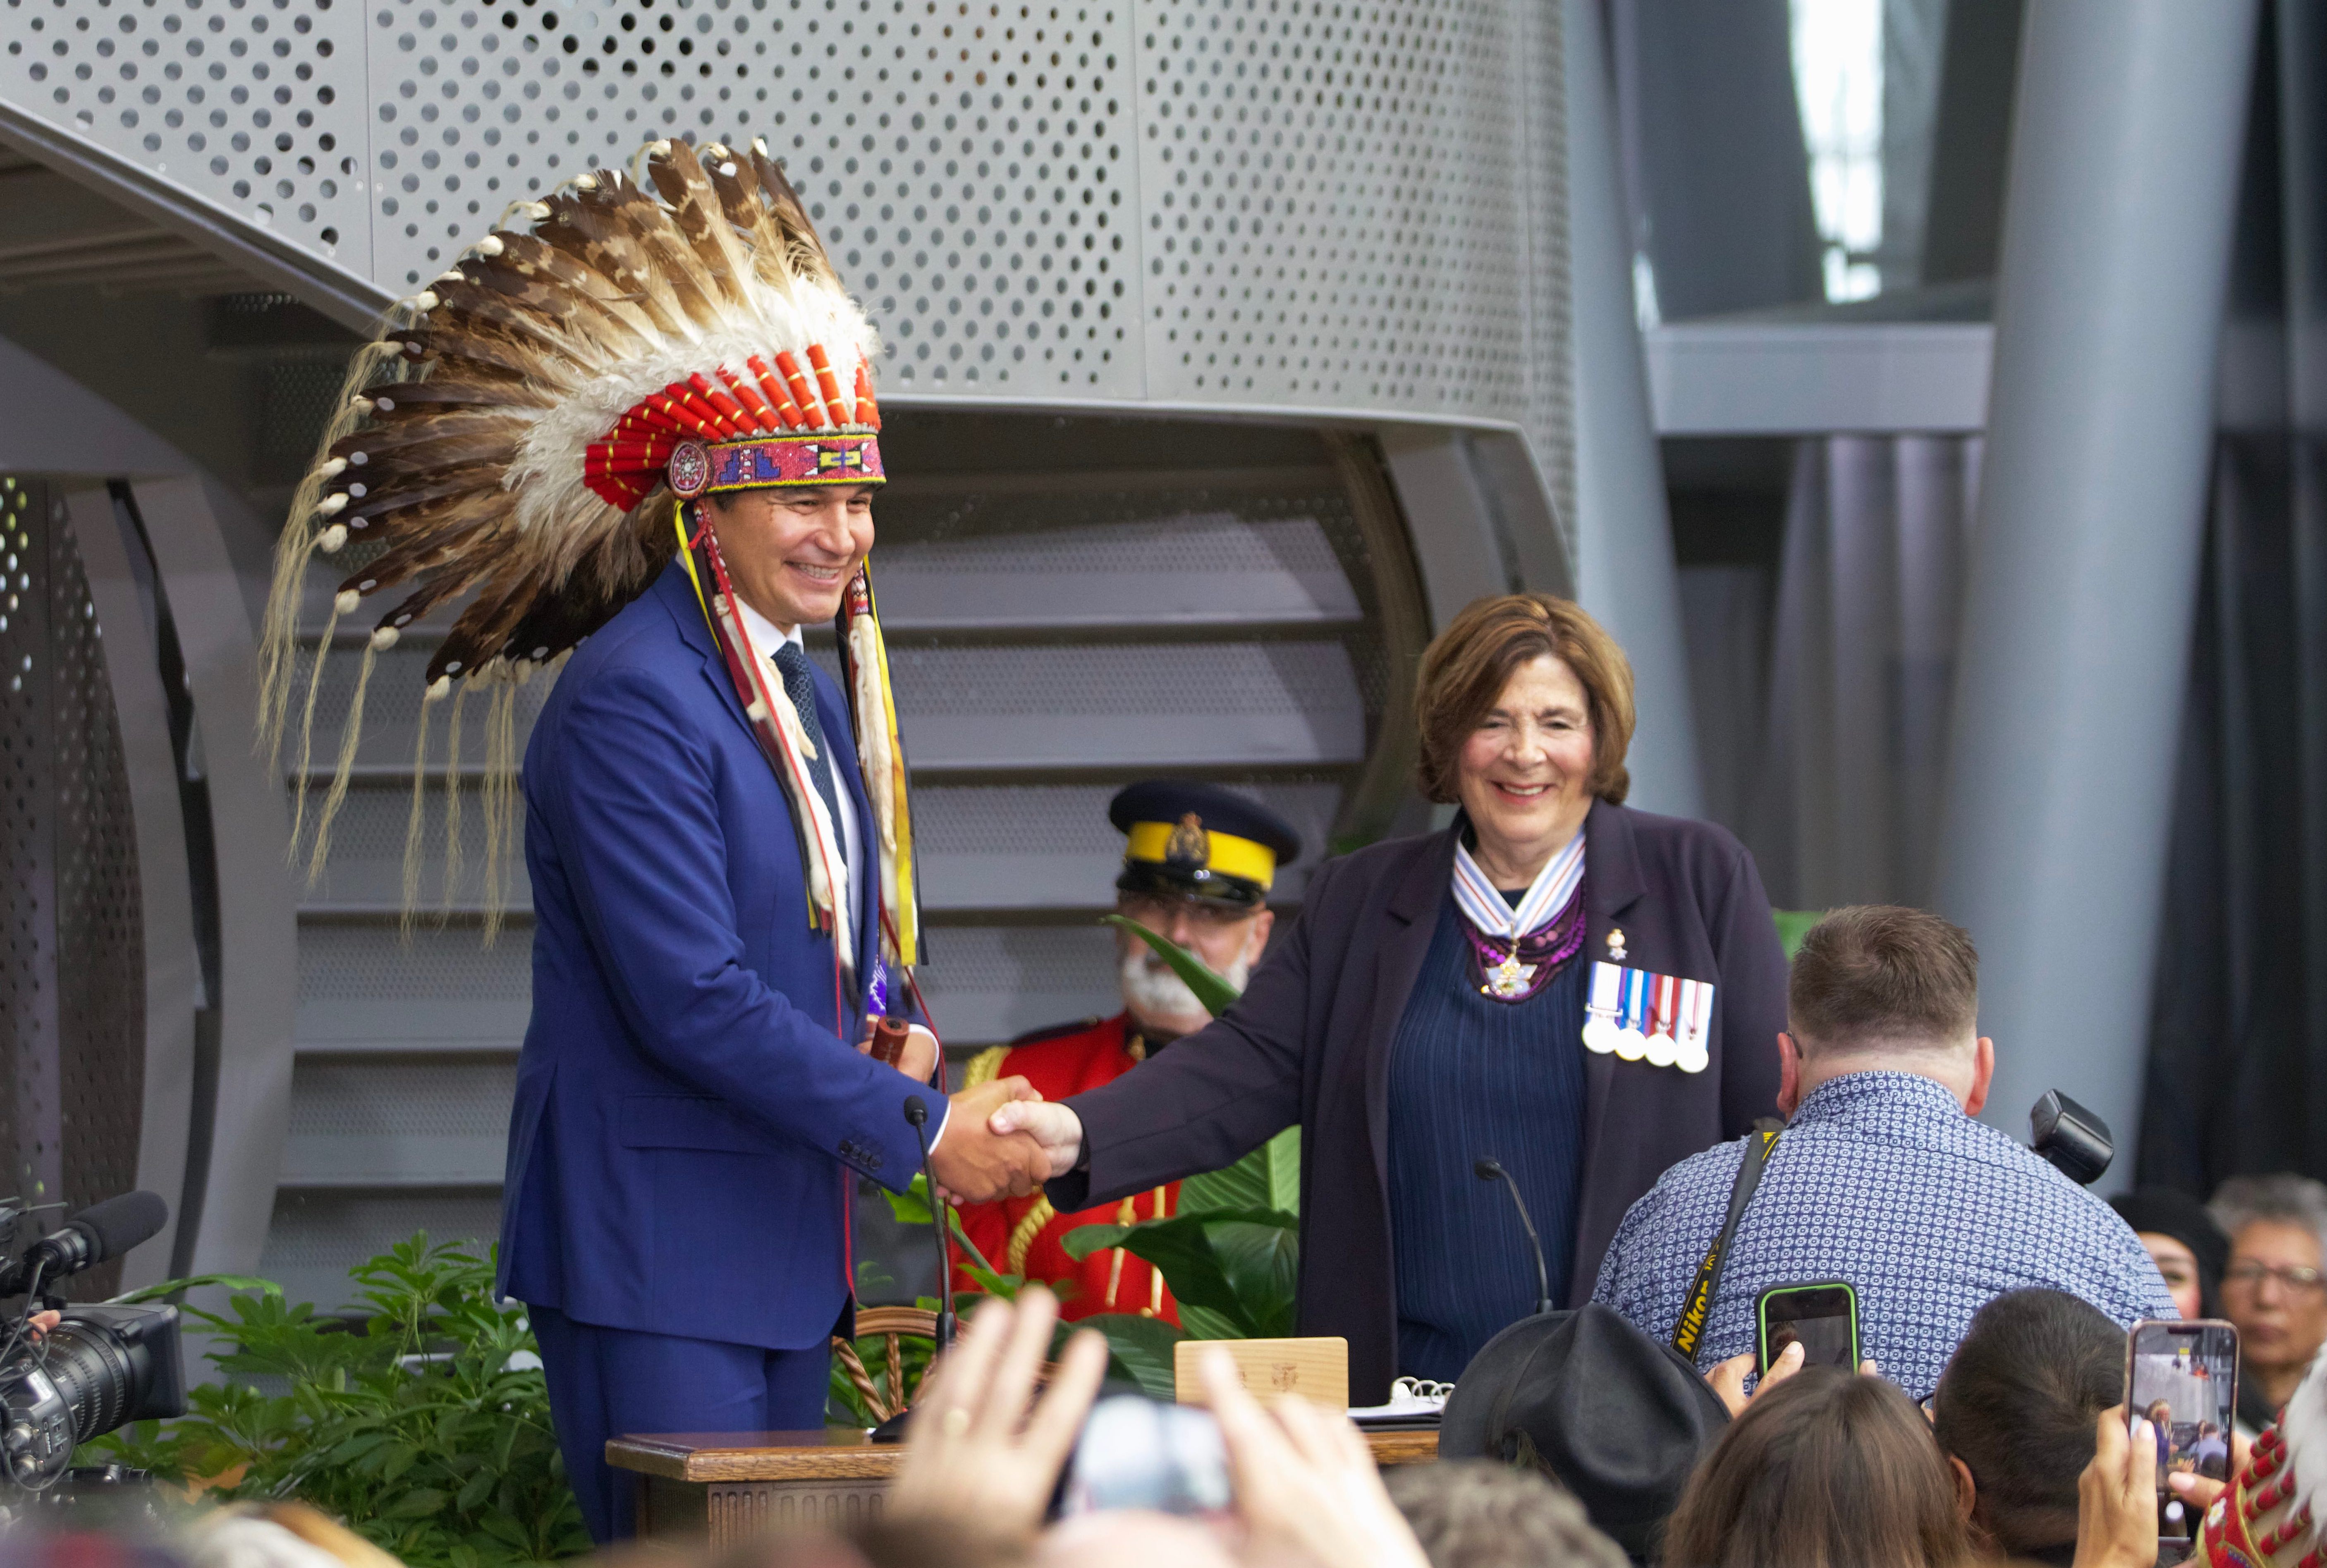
column 2075, row 1140
column 101, row 1367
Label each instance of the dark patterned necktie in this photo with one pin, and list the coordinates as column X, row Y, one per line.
column 792, row 665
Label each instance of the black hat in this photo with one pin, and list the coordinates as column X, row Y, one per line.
column 1619, row 1419
column 1199, row 841
column 2162, row 1211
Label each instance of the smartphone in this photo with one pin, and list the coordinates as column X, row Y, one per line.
column 1822, row 1318
column 1137, row 1453
column 2183, row 1378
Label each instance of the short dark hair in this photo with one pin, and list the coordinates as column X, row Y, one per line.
column 2018, row 1404
column 1827, row 1469
column 1467, row 666
column 1879, row 973
column 1479, row 1513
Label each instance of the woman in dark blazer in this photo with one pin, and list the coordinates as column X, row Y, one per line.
column 1429, row 1010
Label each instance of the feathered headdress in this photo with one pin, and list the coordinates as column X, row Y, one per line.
column 532, row 429
column 2265, row 1518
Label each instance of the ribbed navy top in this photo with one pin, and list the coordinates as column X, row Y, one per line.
column 1471, row 1078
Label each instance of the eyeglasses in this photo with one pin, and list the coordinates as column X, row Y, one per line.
column 2248, row 1276
column 1156, row 913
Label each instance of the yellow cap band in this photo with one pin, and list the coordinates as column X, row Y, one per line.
column 1230, row 855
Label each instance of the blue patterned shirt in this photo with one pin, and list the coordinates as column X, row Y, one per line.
column 1882, row 1180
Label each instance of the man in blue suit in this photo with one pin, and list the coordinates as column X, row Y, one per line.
column 690, row 1115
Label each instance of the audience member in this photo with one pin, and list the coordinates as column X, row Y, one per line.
column 983, row 1459
column 2015, row 1416
column 2272, row 1287
column 2188, row 1248
column 1882, row 1178
column 2116, row 1496
column 1474, row 1513
column 1828, row 1470
column 1618, row 1419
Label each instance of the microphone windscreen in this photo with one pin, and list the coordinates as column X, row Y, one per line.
column 118, row 1224
column 916, row 1111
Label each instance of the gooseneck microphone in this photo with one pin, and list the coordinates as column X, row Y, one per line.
column 1492, row 1170
column 917, row 1112
column 101, row 1231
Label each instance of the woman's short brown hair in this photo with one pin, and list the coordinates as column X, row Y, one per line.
column 1467, row 666
column 1825, row 1470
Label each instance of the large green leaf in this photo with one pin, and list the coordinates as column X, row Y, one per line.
column 1140, row 1348
column 1267, row 1178
column 1214, row 992
column 1236, row 1262
column 911, row 1206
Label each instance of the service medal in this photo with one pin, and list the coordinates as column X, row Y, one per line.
column 1696, row 1024
column 1600, row 1011
column 1661, row 1048
column 1632, row 1045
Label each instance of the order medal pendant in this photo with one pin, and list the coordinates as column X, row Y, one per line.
column 1509, row 979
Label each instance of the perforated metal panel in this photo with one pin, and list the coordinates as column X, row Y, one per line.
column 397, row 1121
column 72, row 963
column 317, row 1232
column 1335, row 203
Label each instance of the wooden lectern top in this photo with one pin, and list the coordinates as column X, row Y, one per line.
column 844, row 1453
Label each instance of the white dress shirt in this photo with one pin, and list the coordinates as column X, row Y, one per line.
column 850, row 895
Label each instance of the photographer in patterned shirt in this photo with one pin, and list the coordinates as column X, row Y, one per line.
column 1882, row 1177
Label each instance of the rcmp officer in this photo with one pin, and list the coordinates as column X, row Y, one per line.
column 1199, row 861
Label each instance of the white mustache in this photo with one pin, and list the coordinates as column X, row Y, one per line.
column 1155, row 989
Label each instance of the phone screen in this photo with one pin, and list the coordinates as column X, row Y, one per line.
column 1137, row 1453
column 1824, row 1318
column 2183, row 1378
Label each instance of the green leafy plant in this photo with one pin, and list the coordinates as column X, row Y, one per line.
column 423, row 1421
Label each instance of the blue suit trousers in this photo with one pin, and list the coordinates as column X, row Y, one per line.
column 613, row 1382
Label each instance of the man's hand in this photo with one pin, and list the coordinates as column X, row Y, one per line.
column 1057, row 1129
column 2116, row 1496
column 920, row 1057
column 976, row 1164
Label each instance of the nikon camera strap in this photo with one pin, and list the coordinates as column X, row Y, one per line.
column 1689, row 1333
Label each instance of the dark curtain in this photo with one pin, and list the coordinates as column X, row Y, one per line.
column 2238, row 1060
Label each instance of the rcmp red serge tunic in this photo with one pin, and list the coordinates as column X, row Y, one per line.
column 1023, row 1236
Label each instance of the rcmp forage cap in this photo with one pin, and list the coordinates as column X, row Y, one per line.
column 1199, row 841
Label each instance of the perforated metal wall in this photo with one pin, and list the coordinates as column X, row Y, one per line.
column 73, row 986
column 1322, row 203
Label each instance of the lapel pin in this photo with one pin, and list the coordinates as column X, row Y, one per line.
column 1616, row 945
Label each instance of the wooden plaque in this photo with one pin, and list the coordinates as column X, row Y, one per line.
column 1316, row 1370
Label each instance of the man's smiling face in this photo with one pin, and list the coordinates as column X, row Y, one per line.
column 790, row 552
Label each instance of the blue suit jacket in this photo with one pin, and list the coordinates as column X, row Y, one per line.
column 687, row 1111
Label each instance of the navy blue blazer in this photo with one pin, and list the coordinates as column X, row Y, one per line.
column 689, row 1117
column 1309, row 1042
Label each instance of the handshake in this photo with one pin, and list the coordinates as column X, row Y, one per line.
column 1004, row 1139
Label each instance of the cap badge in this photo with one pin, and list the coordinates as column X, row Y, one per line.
column 1616, row 945
column 1189, row 847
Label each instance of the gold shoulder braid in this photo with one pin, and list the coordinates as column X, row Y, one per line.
column 1023, row 1235
column 985, row 1067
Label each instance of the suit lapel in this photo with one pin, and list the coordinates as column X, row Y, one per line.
column 1611, row 869
column 677, row 592
column 1413, row 910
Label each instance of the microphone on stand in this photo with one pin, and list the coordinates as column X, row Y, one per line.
column 917, row 1112
column 941, row 1218
column 1492, row 1170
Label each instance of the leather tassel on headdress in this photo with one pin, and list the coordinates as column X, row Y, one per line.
column 513, row 441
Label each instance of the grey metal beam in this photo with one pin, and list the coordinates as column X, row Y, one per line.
column 1626, row 575
column 164, row 893
column 1807, row 378
column 259, row 962
column 2117, row 225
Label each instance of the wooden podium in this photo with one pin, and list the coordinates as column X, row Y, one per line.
column 732, row 1485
